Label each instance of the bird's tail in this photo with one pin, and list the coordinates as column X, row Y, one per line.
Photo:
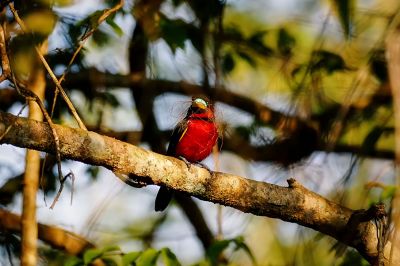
column 164, row 196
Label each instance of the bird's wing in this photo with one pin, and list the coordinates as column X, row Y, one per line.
column 177, row 134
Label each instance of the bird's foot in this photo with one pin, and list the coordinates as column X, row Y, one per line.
column 188, row 164
column 200, row 164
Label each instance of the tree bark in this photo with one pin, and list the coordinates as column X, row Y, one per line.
column 293, row 203
column 31, row 177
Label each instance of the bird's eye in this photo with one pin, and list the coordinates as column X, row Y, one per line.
column 201, row 101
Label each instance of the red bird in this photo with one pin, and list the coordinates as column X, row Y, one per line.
column 192, row 140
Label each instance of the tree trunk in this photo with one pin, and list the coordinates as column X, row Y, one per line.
column 31, row 176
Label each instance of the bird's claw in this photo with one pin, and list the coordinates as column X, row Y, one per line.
column 188, row 164
column 202, row 165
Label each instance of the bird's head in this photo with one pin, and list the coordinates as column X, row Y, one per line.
column 201, row 105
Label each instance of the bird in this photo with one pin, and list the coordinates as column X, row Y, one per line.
column 192, row 140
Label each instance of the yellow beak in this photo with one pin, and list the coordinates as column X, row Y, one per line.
column 200, row 103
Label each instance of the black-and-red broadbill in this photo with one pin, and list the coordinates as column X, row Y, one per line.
column 193, row 138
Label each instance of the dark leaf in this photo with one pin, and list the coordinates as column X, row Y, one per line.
column 110, row 99
column 177, row 2
column 373, row 136
column 228, row 63
column 208, row 11
column 345, row 11
column 174, row 32
column 378, row 65
column 100, row 37
column 286, row 42
column 10, row 189
column 232, row 33
column 93, row 171
column 216, row 249
column 256, row 42
column 353, row 258
column 328, row 61
column 244, row 132
column 245, row 56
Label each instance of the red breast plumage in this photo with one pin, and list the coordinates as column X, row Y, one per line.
column 200, row 136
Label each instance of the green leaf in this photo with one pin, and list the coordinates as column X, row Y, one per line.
column 110, row 98
column 148, row 257
column 130, row 257
column 286, row 42
column 169, row 258
column 100, row 37
column 93, row 171
column 240, row 244
column 91, row 254
column 215, row 250
column 110, row 261
column 117, row 29
column 388, row 192
column 228, row 64
column 174, row 32
column 345, row 12
column 73, row 261
column 94, row 18
column 111, row 248
column 352, row 258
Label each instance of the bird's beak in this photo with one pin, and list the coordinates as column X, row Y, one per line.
column 200, row 103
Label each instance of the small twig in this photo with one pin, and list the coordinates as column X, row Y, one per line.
column 103, row 17
column 62, row 78
column 5, row 63
column 31, row 96
column 60, row 189
column 51, row 73
column 10, row 126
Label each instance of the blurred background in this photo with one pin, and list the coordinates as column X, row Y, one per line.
column 300, row 88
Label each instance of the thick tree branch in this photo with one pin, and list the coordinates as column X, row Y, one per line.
column 54, row 236
column 293, row 203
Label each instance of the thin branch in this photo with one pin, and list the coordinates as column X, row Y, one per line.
column 31, row 96
column 5, row 64
column 51, row 73
column 294, row 203
column 103, row 17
